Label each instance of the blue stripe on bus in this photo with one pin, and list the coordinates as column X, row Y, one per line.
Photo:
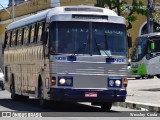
column 110, row 60
column 78, row 95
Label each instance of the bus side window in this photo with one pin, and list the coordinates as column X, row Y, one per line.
column 40, row 29
column 13, row 39
column 26, row 35
column 19, row 38
column 33, row 33
column 8, row 39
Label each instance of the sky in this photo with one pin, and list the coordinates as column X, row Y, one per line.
column 4, row 3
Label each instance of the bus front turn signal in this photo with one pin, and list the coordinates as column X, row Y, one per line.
column 125, row 82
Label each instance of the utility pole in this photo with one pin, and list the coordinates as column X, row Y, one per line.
column 150, row 19
column 13, row 10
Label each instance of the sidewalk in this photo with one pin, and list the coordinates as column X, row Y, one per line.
column 143, row 94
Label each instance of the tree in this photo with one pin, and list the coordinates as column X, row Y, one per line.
column 123, row 8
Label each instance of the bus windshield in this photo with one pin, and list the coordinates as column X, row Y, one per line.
column 83, row 37
column 139, row 49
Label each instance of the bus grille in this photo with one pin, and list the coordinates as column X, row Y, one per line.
column 89, row 69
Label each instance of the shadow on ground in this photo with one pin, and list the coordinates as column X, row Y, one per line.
column 32, row 105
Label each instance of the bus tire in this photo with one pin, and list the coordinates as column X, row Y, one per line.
column 144, row 77
column 42, row 101
column 14, row 96
column 106, row 106
column 3, row 87
column 137, row 77
column 150, row 76
column 158, row 76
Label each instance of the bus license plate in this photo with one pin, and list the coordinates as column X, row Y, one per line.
column 91, row 94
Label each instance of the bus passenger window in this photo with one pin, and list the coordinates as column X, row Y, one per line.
column 32, row 34
column 19, row 38
column 13, row 39
column 26, row 34
column 40, row 29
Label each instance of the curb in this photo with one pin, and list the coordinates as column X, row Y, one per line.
column 138, row 106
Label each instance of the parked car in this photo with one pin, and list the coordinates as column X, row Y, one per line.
column 1, row 79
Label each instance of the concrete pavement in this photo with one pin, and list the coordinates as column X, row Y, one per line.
column 143, row 94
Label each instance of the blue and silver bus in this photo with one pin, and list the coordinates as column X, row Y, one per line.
column 71, row 53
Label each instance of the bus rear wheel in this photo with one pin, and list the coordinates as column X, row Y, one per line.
column 14, row 96
column 106, row 106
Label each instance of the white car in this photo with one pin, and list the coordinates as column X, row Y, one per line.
column 1, row 79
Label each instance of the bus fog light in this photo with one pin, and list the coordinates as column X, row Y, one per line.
column 111, row 83
column 118, row 82
column 62, row 81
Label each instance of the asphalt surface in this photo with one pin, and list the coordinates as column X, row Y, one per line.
column 143, row 94
column 32, row 105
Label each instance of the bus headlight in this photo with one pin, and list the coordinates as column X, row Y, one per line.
column 65, row 81
column 114, row 82
column 118, row 82
column 62, row 81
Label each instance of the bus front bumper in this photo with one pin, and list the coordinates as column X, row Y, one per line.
column 87, row 95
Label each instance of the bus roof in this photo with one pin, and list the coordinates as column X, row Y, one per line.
column 81, row 10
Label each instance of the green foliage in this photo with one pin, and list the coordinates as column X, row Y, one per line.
column 131, row 19
column 137, row 7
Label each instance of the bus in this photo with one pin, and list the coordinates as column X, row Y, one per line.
column 145, row 56
column 72, row 53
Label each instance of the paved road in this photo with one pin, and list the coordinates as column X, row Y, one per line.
column 145, row 91
column 143, row 94
column 6, row 104
column 75, row 109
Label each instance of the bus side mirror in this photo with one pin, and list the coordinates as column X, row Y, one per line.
column 129, row 38
column 44, row 37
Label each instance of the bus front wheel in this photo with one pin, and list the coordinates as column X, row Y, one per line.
column 42, row 101
column 158, row 76
column 106, row 106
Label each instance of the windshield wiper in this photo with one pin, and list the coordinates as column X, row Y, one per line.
column 81, row 47
column 99, row 50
